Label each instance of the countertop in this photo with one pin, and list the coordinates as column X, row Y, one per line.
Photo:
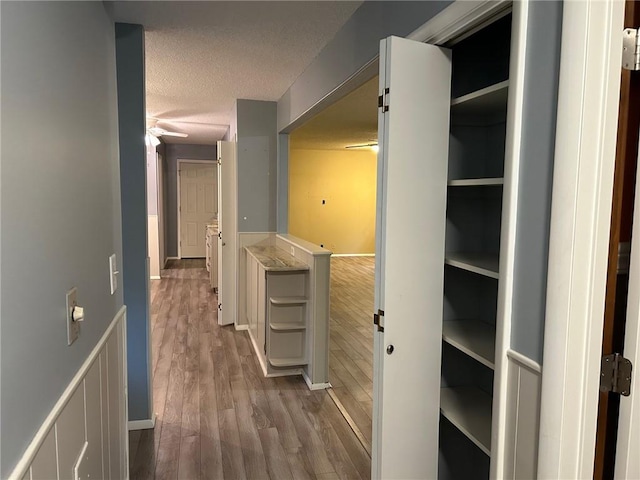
column 274, row 259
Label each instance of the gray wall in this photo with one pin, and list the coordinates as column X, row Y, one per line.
column 257, row 165
column 173, row 153
column 357, row 43
column 536, row 175
column 133, row 168
column 60, row 199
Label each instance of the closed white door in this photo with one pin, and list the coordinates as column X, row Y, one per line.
column 413, row 133
column 227, row 226
column 198, row 200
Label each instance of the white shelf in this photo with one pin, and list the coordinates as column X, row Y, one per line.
column 288, row 300
column 282, row 326
column 476, row 339
column 481, row 263
column 469, row 409
column 287, row 362
column 485, row 106
column 476, row 182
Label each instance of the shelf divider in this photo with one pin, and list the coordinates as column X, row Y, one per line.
column 469, row 409
column 476, row 339
column 476, row 182
column 481, row 263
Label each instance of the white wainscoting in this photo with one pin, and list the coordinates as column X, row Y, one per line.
column 87, row 427
column 524, row 382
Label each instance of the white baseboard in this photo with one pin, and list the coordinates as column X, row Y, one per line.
column 155, row 277
column 241, row 327
column 314, row 386
column 353, row 255
column 142, row 424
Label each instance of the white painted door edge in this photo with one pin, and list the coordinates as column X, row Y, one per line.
column 579, row 239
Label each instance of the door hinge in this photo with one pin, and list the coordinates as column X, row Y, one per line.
column 383, row 101
column 615, row 374
column 624, row 258
column 219, row 307
column 631, row 49
column 377, row 320
column 219, row 162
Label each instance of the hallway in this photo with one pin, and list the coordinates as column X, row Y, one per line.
column 217, row 416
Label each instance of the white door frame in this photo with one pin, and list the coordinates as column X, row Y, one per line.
column 179, row 162
column 586, row 134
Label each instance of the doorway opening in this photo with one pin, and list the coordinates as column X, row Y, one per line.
column 332, row 203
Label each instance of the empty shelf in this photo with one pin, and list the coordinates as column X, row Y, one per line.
column 282, row 326
column 476, row 182
column 288, row 362
column 482, row 107
column 476, row 339
column 469, row 409
column 288, row 300
column 481, row 263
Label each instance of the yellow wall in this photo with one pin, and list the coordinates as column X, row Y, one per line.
column 346, row 180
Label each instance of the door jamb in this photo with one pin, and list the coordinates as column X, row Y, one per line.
column 579, row 237
column 179, row 162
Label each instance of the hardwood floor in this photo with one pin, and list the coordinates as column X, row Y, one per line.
column 351, row 338
column 217, row 416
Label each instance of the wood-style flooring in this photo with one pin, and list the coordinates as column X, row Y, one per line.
column 217, row 416
column 351, row 338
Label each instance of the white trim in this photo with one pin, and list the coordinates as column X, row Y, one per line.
column 460, row 18
column 353, row 255
column 142, row 424
column 241, row 327
column 524, row 361
column 579, row 239
column 30, row 453
column 515, row 115
column 178, row 162
column 314, row 386
column 155, row 277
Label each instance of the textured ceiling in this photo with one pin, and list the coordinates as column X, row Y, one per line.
column 353, row 120
column 201, row 56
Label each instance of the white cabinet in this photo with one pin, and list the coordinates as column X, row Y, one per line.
column 442, row 219
column 276, row 305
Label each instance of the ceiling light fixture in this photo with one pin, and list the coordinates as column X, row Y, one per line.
column 372, row 146
column 153, row 140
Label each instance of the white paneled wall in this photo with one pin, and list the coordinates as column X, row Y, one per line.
column 87, row 428
column 524, row 380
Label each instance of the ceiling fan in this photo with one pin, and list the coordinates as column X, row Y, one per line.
column 154, row 131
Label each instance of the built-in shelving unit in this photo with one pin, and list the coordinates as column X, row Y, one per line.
column 480, row 88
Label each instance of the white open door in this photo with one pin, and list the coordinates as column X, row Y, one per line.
column 227, row 226
column 628, row 447
column 415, row 81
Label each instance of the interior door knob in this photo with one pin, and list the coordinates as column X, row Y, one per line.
column 390, row 349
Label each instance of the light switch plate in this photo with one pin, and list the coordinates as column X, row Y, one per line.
column 73, row 328
column 113, row 272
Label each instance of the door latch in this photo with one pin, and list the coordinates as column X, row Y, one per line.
column 377, row 320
